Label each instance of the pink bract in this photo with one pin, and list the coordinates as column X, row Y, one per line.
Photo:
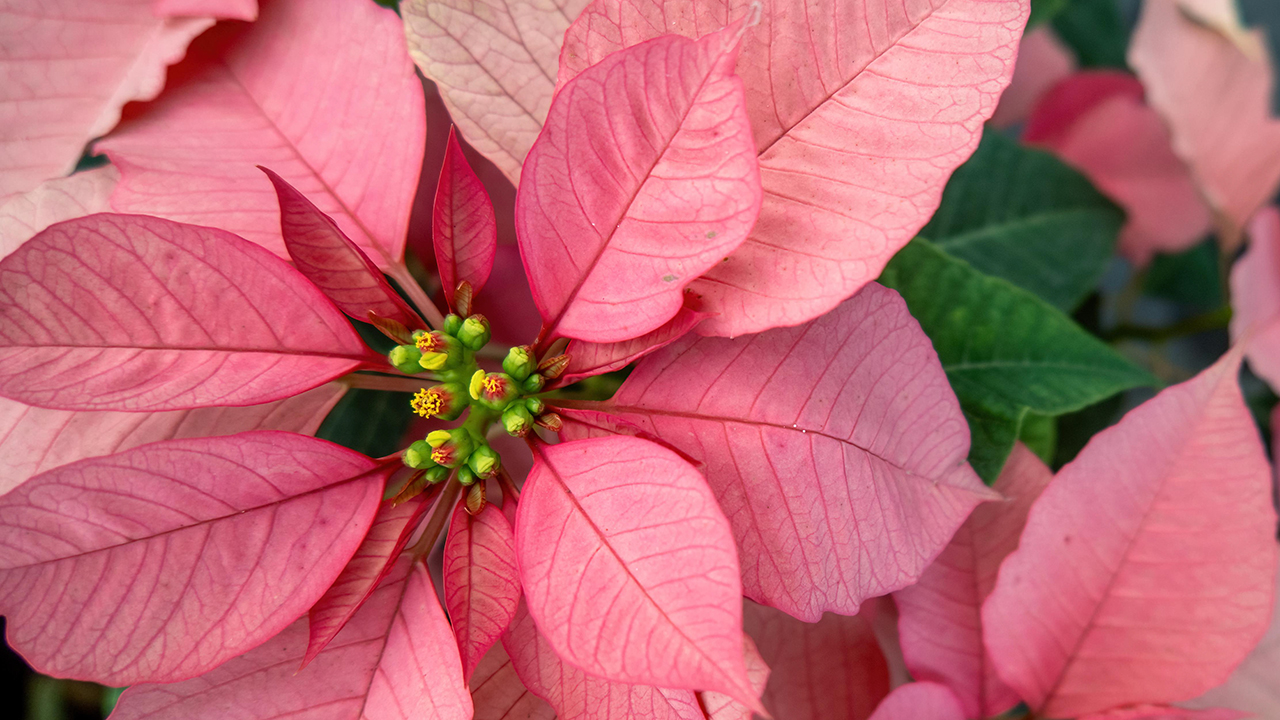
column 918, row 700
column 1042, row 61
column 463, row 227
column 1255, row 296
column 22, row 216
column 481, row 581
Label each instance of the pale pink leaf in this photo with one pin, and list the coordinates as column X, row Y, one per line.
column 911, row 81
column 66, row 79
column 1255, row 296
column 495, row 64
column 719, row 706
column 1216, row 100
column 940, row 617
column 463, row 225
column 836, row 448
column 1253, row 687
column 644, row 177
column 920, row 701
column 1146, row 569
column 337, row 266
column 33, row 440
column 390, row 532
column 1042, row 61
column 125, row 312
column 576, row 695
column 628, row 566
column 1164, row 712
column 508, row 303
column 292, row 92
column 481, row 582
column 1098, row 122
column 395, row 660
column 587, row 359
column 223, row 9
column 22, row 216
column 498, row 694
column 162, row 562
column 829, row 670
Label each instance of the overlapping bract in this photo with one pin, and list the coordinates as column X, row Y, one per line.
column 463, row 227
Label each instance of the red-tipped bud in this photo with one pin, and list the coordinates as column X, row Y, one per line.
column 493, row 390
column 450, row 448
column 446, row 401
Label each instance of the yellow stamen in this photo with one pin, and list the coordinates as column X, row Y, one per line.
column 427, row 402
column 492, row 385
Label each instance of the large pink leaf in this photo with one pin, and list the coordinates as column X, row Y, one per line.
column 495, row 64
column 481, row 582
column 1098, row 122
column 498, row 694
column 719, row 706
column 1164, row 712
column 576, row 695
column 861, row 110
column 829, row 670
column 162, row 562
column 587, row 359
column 644, row 177
column 1255, row 296
column 225, row 9
column 395, row 660
column 464, row 229
column 1042, row 61
column 328, row 258
column 1216, row 99
column 1145, row 571
column 33, row 440
column 628, row 566
column 125, row 312
column 292, row 92
column 940, row 617
column 22, row 216
column 836, row 448
column 66, row 79
column 390, row 532
column 920, row 701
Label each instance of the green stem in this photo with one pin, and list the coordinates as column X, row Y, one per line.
column 1212, row 320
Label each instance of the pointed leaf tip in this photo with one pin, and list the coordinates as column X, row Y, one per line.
column 1096, row 611
column 464, row 229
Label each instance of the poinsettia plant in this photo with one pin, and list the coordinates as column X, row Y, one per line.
column 718, row 197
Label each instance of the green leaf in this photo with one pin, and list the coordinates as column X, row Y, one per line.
column 1096, row 31
column 1025, row 216
column 369, row 421
column 1040, row 434
column 1005, row 351
column 1192, row 277
column 1043, row 10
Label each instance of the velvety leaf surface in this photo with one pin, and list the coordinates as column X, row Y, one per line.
column 1004, row 349
column 1252, row 688
column 1255, row 296
column 587, row 359
column 124, row 312
column 920, row 700
column 328, row 258
column 481, row 581
column 395, row 660
column 628, row 566
column 1216, row 100
column 498, row 694
column 829, row 670
column 495, row 64
column 22, row 216
column 464, row 229
column 940, row 617
column 1042, row 61
column 390, row 532
column 644, row 178
column 835, row 448
column 162, row 562
column 1145, row 571
column 33, row 440
column 576, row 695
column 291, row 92
column 66, row 80
column 912, row 81
column 718, row 706
column 1097, row 121
column 1020, row 214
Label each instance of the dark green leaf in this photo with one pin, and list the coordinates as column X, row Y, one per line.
column 1192, row 277
column 1040, row 434
column 991, row 436
column 1095, row 30
column 1025, row 216
column 1043, row 11
column 369, row 421
column 1075, row 429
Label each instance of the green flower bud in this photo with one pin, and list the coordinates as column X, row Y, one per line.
column 535, row 406
column 452, row 324
column 437, row 474
column 493, row 390
column 519, row 363
column 446, row 401
column 484, row 462
column 517, row 420
column 534, row 383
column 439, row 351
column 465, row 476
column 418, row 456
column 474, row 332
column 405, row 358
column 450, row 448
